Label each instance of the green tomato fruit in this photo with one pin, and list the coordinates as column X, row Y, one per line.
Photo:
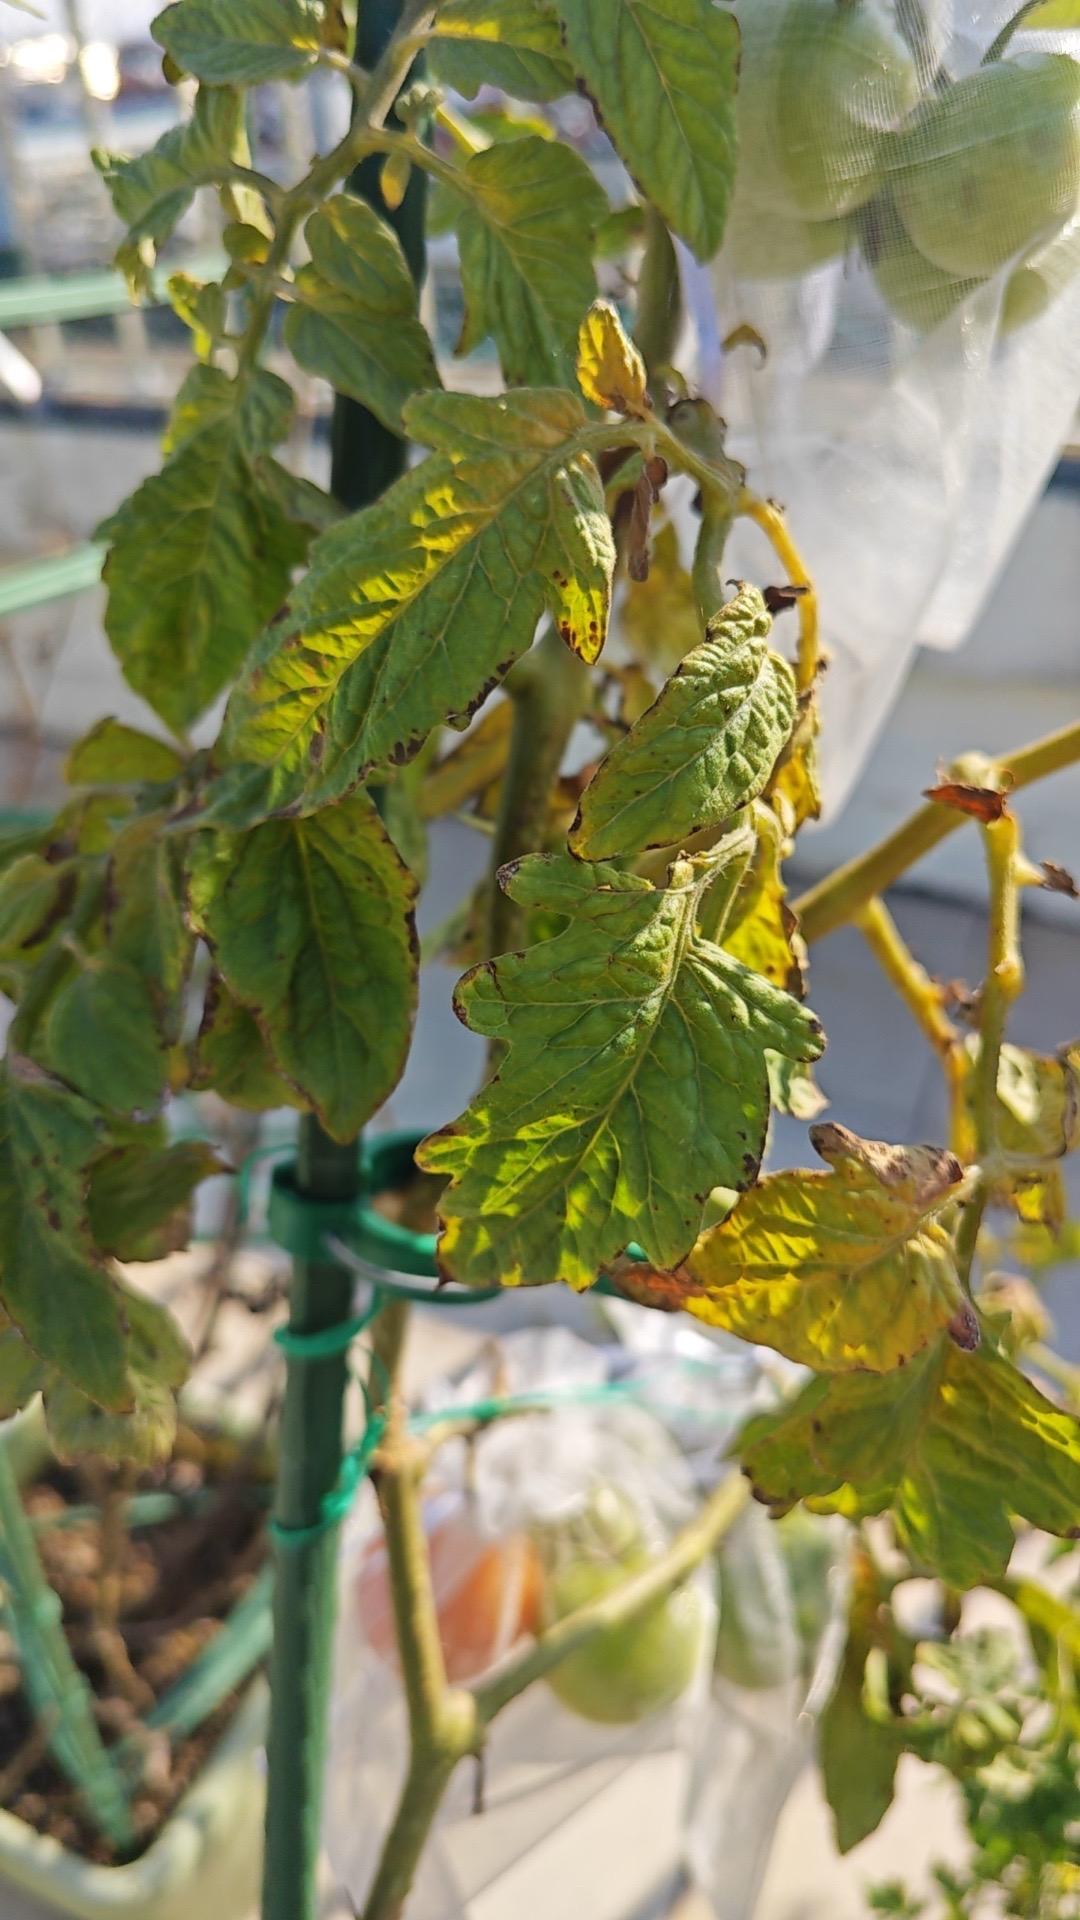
column 916, row 291
column 834, row 81
column 629, row 1672
column 756, row 1643
column 992, row 166
column 767, row 243
column 1036, row 284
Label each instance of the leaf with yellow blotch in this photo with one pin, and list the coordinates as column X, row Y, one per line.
column 847, row 1269
column 1037, row 1123
column 761, row 929
column 610, row 370
column 955, row 1444
column 634, row 1082
column 514, row 45
column 658, row 618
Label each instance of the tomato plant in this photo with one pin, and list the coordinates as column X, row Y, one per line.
column 633, row 958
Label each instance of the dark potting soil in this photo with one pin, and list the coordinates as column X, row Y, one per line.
column 175, row 1583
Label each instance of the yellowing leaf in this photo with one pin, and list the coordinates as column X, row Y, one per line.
column 113, row 754
column 244, row 42
column 706, row 747
column 663, row 74
column 761, row 929
column 414, row 608
column 610, row 370
column 231, row 1055
column 839, row 1270
column 200, row 556
column 471, row 766
column 658, row 617
column 514, row 45
column 151, row 192
column 634, row 1083
column 354, row 321
column 311, row 925
column 1037, row 1122
column 955, row 1443
column 525, row 238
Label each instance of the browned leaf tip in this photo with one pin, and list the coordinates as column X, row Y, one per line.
column 778, row 599
column 963, row 1329
column 1058, row 879
column 647, row 1287
column 923, row 1173
column 982, row 803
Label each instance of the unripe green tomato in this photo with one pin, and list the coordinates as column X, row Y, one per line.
column 766, row 242
column 1036, row 283
column 756, row 1644
column 625, row 1673
column 916, row 291
column 841, row 78
column 992, row 166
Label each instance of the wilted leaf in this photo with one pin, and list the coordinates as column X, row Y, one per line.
column 794, row 790
column 525, row 238
column 232, row 1057
column 139, row 1200
column 53, row 1280
column 955, row 1443
column 413, row 608
column 101, row 1036
column 635, row 1082
column 514, row 45
column 113, row 754
column 610, row 370
column 706, row 747
column 354, row 321
column 245, row 42
column 982, row 803
column 151, row 192
column 311, row 925
column 761, row 930
column 838, row 1270
column 200, row 556
column 663, row 74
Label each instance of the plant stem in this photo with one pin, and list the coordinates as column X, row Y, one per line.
column 832, row 902
column 549, row 687
column 998, row 45
column 769, row 517
column 659, row 296
column 1004, row 983
column 922, row 997
column 620, row 1607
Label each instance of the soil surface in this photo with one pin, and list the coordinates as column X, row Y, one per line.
column 167, row 1589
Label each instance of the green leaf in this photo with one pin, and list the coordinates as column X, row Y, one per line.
column 311, row 925
column 35, row 895
column 53, row 1280
column 858, row 1754
column 203, row 306
column 514, row 45
column 101, row 1036
column 634, row 1084
column 157, row 1360
column 245, row 42
column 354, row 321
column 525, row 238
column 955, row 1442
column 113, row 754
column 705, row 747
column 200, row 556
column 663, row 74
column 232, row 1057
column 151, row 192
column 145, row 925
column 139, row 1199
column 308, row 506
column 839, row 1270
column 413, row 608
column 21, row 1372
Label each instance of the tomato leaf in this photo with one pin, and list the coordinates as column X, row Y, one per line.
column 955, row 1443
column 663, row 74
column 139, row 1200
column 635, row 1082
column 1052, row 14
column 22, row 1373
column 151, row 192
column 311, row 925
column 101, row 1036
column 354, row 321
column 859, row 1755
column 200, row 556
column 246, row 42
column 157, row 1360
column 846, row 1269
column 113, row 754
column 761, row 930
column 53, row 1281
column 705, row 747
column 610, row 370
column 413, row 608
column 231, row 1055
column 514, row 45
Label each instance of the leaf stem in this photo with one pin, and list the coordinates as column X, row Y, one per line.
column 769, row 517
column 659, row 296
column 1004, row 983
column 834, row 901
column 1001, row 40
column 622, row 1606
column 923, row 998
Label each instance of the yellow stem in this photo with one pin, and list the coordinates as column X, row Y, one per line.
column 923, row 998
column 1004, row 983
column 769, row 517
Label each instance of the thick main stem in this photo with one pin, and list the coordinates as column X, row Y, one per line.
column 549, row 689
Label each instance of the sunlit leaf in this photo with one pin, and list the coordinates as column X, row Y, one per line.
column 113, row 753
column 151, row 192
column 1053, row 14
column 200, row 556
column 525, row 238
column 246, row 42
column 761, row 930
column 663, row 74
column 139, row 1200
column 610, row 370
column 635, row 1082
column 514, row 45
column 232, row 1057
column 846, row 1269
column 53, row 1280
column 955, row 1443
column 703, row 750
column 415, row 607
column 311, row 925
column 354, row 319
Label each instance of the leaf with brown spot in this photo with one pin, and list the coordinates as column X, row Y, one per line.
column 982, row 803
column 610, row 370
